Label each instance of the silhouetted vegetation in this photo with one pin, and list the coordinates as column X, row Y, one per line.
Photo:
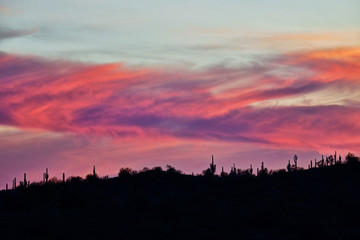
column 172, row 170
column 126, row 173
column 320, row 202
column 351, row 159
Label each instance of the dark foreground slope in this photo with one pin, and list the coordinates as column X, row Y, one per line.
column 317, row 203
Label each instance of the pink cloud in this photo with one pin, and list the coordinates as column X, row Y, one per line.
column 113, row 100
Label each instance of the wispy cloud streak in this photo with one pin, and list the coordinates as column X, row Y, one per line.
column 220, row 103
column 6, row 33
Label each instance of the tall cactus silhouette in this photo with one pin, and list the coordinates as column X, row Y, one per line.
column 288, row 166
column 295, row 161
column 94, row 172
column 263, row 170
column 331, row 160
column 233, row 169
column 223, row 173
column 251, row 170
column 46, row 175
column 212, row 165
column 25, row 182
column 63, row 177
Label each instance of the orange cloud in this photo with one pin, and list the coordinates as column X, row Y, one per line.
column 330, row 64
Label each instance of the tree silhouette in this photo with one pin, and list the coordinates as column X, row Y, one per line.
column 125, row 172
column 172, row 170
column 157, row 169
column 74, row 179
column 351, row 159
column 207, row 173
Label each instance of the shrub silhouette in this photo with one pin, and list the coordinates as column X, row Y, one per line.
column 171, row 170
column 207, row 172
column 54, row 180
column 156, row 169
column 91, row 178
column 125, row 172
column 246, row 172
column 351, row 159
column 74, row 180
column 223, row 173
column 145, row 169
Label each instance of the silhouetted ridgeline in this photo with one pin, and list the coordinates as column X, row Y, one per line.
column 320, row 202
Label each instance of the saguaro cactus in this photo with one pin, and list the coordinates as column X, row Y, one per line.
column 233, row 169
column 46, row 175
column 295, row 161
column 63, row 177
column 223, row 173
column 25, row 182
column 288, row 166
column 6, row 186
column 251, row 170
column 212, row 165
column 263, row 170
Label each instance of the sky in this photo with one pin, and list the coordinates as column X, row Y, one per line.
column 139, row 83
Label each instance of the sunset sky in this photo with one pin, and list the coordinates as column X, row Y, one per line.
column 138, row 83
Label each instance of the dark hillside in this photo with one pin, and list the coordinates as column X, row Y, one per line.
column 321, row 203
